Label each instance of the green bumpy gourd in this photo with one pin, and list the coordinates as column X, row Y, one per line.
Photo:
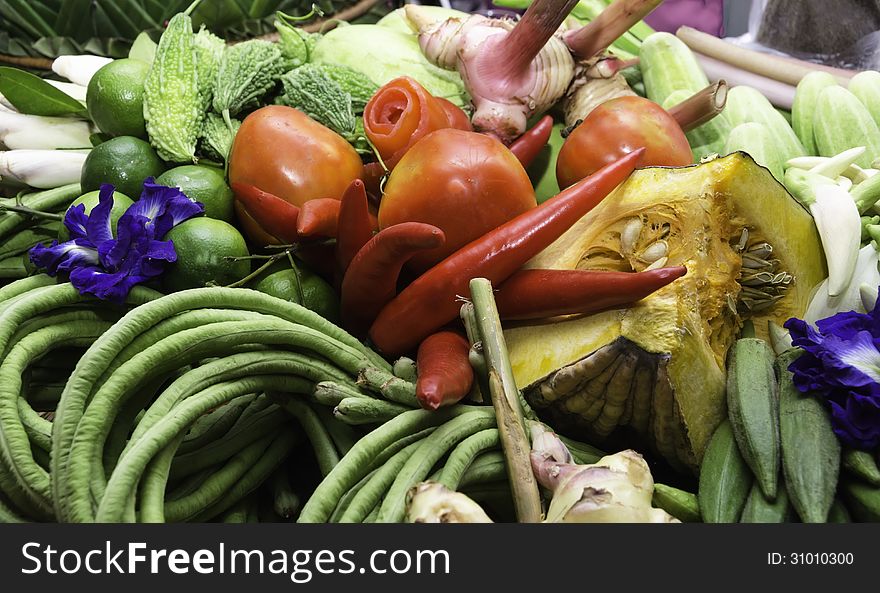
column 309, row 89
column 217, row 137
column 172, row 106
column 247, row 71
column 209, row 50
column 352, row 82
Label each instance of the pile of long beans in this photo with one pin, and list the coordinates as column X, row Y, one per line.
column 20, row 231
column 180, row 406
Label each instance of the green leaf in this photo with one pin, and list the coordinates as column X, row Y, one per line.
column 143, row 49
column 32, row 95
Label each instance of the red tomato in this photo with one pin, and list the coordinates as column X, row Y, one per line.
column 462, row 182
column 283, row 151
column 617, row 127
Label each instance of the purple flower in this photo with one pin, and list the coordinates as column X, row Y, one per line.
column 108, row 267
column 841, row 363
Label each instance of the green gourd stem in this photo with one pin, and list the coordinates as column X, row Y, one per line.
column 506, row 402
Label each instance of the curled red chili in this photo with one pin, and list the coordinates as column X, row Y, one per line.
column 401, row 113
column 431, row 300
column 529, row 145
column 276, row 216
column 445, row 374
column 371, row 279
column 536, row 294
column 318, row 218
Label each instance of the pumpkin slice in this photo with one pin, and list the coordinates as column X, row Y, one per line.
column 654, row 374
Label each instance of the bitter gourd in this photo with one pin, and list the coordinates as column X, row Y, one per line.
column 247, row 71
column 172, row 106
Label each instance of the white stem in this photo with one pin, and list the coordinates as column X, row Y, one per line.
column 79, row 69
column 43, row 169
column 35, row 132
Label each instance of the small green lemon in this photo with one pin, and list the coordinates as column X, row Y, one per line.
column 202, row 184
column 300, row 286
column 203, row 246
column 115, row 98
column 123, row 162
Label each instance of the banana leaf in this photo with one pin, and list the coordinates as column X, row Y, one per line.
column 49, row 28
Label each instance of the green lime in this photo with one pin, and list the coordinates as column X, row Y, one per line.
column 202, row 245
column 115, row 98
column 202, row 184
column 312, row 292
column 121, row 202
column 123, row 162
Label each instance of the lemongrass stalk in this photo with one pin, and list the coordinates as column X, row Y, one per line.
column 610, row 24
column 701, row 107
column 43, row 169
column 79, row 69
column 506, row 401
column 18, row 130
column 785, row 70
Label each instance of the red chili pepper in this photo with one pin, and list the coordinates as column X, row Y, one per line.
column 431, row 300
column 536, row 294
column 318, row 218
column 529, row 145
column 445, row 372
column 371, row 279
column 355, row 227
column 276, row 216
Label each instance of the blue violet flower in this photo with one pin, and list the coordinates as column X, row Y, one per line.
column 108, row 267
column 841, row 363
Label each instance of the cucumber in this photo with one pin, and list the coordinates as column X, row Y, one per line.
column 866, row 87
column 753, row 409
column 668, row 65
column 759, row 509
column 725, row 479
column 680, row 504
column 862, row 500
column 861, row 465
column 810, row 449
column 804, row 107
column 755, row 139
column 842, row 122
column 745, row 104
column 707, row 139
